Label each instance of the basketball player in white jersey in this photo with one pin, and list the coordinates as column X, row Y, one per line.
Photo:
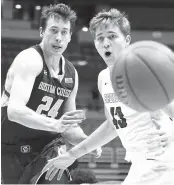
column 142, row 134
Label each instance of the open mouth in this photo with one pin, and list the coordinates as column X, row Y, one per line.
column 107, row 53
column 57, row 47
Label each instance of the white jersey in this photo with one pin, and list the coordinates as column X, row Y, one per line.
column 133, row 127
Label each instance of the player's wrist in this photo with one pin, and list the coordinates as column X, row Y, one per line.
column 54, row 125
column 73, row 154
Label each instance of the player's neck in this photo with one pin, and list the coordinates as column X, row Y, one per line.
column 52, row 61
column 110, row 67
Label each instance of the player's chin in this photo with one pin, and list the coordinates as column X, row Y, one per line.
column 109, row 61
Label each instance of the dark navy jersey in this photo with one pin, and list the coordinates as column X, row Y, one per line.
column 48, row 98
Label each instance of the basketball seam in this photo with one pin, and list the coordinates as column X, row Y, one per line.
column 136, row 97
column 157, row 50
column 153, row 72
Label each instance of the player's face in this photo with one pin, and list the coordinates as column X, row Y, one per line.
column 109, row 42
column 56, row 35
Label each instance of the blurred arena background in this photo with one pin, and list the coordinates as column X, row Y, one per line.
column 150, row 20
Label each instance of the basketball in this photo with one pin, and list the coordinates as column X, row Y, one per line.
column 143, row 76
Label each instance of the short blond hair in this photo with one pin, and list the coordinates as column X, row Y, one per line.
column 103, row 18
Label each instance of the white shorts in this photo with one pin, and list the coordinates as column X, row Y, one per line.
column 150, row 172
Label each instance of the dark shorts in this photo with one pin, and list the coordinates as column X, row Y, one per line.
column 12, row 166
column 20, row 165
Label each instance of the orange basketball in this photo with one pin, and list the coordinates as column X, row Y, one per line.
column 143, row 76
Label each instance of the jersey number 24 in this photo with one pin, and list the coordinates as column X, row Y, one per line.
column 52, row 110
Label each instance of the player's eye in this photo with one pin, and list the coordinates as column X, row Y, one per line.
column 64, row 32
column 53, row 30
column 100, row 39
column 112, row 36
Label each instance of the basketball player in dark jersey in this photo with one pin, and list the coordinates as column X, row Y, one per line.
column 38, row 101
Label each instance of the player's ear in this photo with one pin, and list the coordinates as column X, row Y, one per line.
column 128, row 40
column 41, row 32
column 70, row 36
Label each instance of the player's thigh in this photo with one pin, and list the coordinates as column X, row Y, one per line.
column 143, row 173
column 11, row 168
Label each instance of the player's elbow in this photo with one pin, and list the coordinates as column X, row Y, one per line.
column 12, row 112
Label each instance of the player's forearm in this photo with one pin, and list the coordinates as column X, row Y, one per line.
column 27, row 117
column 74, row 135
column 105, row 133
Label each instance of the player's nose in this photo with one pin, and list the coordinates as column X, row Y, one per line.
column 58, row 37
column 106, row 43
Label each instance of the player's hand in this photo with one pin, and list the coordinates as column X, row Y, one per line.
column 160, row 140
column 157, row 145
column 97, row 153
column 69, row 119
column 56, row 166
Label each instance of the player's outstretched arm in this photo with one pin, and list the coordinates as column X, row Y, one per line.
column 27, row 65
column 102, row 135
